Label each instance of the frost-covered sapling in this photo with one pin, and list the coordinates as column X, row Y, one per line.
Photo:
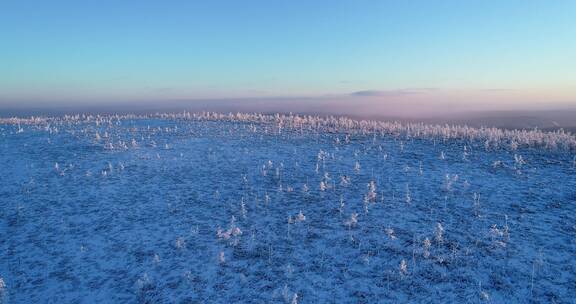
column 357, row 167
column 371, row 195
column 427, row 245
column 439, row 233
column 156, row 259
column 344, row 180
column 497, row 235
column 420, row 170
column 442, row 155
column 449, row 180
column 342, row 205
column 403, row 268
column 243, row 209
column 496, row 164
column 180, row 243
column 408, row 198
column 145, row 288
column 390, row 233
column 233, row 232
column 484, row 296
column 476, row 204
column 266, row 198
column 300, row 217
column 351, row 223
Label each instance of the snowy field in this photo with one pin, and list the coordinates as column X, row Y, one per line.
column 208, row 208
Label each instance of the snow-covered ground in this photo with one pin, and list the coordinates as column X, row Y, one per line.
column 222, row 209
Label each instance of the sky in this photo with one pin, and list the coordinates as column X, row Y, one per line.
column 414, row 55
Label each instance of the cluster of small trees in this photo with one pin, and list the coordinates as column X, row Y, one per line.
column 492, row 138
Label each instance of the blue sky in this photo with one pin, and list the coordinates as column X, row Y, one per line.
column 92, row 51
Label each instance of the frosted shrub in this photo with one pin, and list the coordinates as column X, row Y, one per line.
column 484, row 296
column 300, row 217
column 288, row 296
column 371, row 195
column 180, row 243
column 233, row 231
column 439, row 233
column 263, row 171
column 408, row 196
column 227, row 234
column 289, row 271
column 156, row 259
column 344, row 180
column 476, row 204
column 427, row 245
column 342, row 205
column 144, row 285
column 243, row 208
column 498, row 236
column 449, row 180
column 403, row 268
column 442, row 156
column 357, row 167
column 390, row 233
column 266, row 198
column 519, row 161
column 353, row 221
column 322, row 155
column 513, row 145
column 496, row 164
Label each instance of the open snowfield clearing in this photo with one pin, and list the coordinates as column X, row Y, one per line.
column 208, row 208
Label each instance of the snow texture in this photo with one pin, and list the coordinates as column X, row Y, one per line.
column 210, row 208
